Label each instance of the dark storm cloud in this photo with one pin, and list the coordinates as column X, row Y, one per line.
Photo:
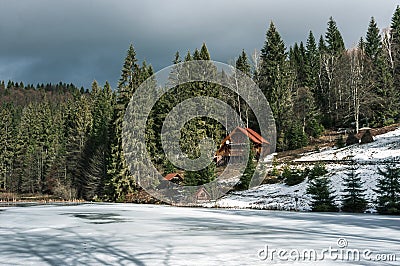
column 81, row 40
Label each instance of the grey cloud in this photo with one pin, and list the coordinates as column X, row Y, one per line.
column 81, row 40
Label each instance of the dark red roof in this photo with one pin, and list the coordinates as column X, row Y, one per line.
column 169, row 177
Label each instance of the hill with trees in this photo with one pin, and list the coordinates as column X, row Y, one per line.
column 65, row 141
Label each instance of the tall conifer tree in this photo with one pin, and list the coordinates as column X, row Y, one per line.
column 276, row 81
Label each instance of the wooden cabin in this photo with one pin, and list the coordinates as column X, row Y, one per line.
column 233, row 147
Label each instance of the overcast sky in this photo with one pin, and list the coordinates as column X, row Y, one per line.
column 81, row 40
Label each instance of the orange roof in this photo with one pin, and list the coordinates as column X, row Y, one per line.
column 253, row 136
column 169, row 177
column 257, row 136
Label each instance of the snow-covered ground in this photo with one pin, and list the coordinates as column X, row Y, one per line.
column 368, row 158
column 128, row 234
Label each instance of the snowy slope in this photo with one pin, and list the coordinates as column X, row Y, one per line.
column 368, row 157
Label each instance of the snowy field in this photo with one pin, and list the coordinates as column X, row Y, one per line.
column 128, row 234
column 368, row 157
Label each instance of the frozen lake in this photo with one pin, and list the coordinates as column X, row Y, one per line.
column 128, row 234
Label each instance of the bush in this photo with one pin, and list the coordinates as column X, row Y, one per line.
column 388, row 122
column 340, row 142
column 352, row 139
column 293, row 176
column 274, row 171
column 314, row 128
column 367, row 137
column 317, row 171
column 296, row 138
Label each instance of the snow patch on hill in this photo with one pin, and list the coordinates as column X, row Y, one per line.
column 368, row 157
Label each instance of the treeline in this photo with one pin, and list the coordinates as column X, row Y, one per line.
column 58, row 139
column 47, row 134
column 323, row 85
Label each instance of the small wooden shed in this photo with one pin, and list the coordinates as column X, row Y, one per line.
column 174, row 177
column 202, row 194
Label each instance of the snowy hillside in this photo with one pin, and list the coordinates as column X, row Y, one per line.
column 369, row 157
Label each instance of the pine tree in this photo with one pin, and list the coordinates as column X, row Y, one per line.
column 130, row 79
column 78, row 130
column 204, row 54
column 354, row 198
column 297, row 57
column 177, row 59
column 334, row 39
column 248, row 173
column 311, row 63
column 48, row 143
column 276, row 81
column 188, row 57
column 395, row 33
column 388, row 190
column 28, row 152
column 7, row 139
column 242, row 63
column 330, row 81
column 373, row 43
column 198, row 128
column 97, row 150
column 197, row 55
column 201, row 177
column 322, row 45
column 322, row 195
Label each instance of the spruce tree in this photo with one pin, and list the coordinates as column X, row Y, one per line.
column 201, row 177
column 121, row 178
column 204, row 54
column 98, row 149
column 379, row 74
column 322, row 195
column 203, row 127
column 331, row 83
column 248, row 173
column 297, row 57
column 188, row 57
column 388, row 190
column 373, row 42
column 242, row 63
column 27, row 148
column 322, row 45
column 353, row 198
column 78, row 131
column 311, row 63
column 334, row 39
column 276, row 81
column 395, row 45
column 7, row 139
